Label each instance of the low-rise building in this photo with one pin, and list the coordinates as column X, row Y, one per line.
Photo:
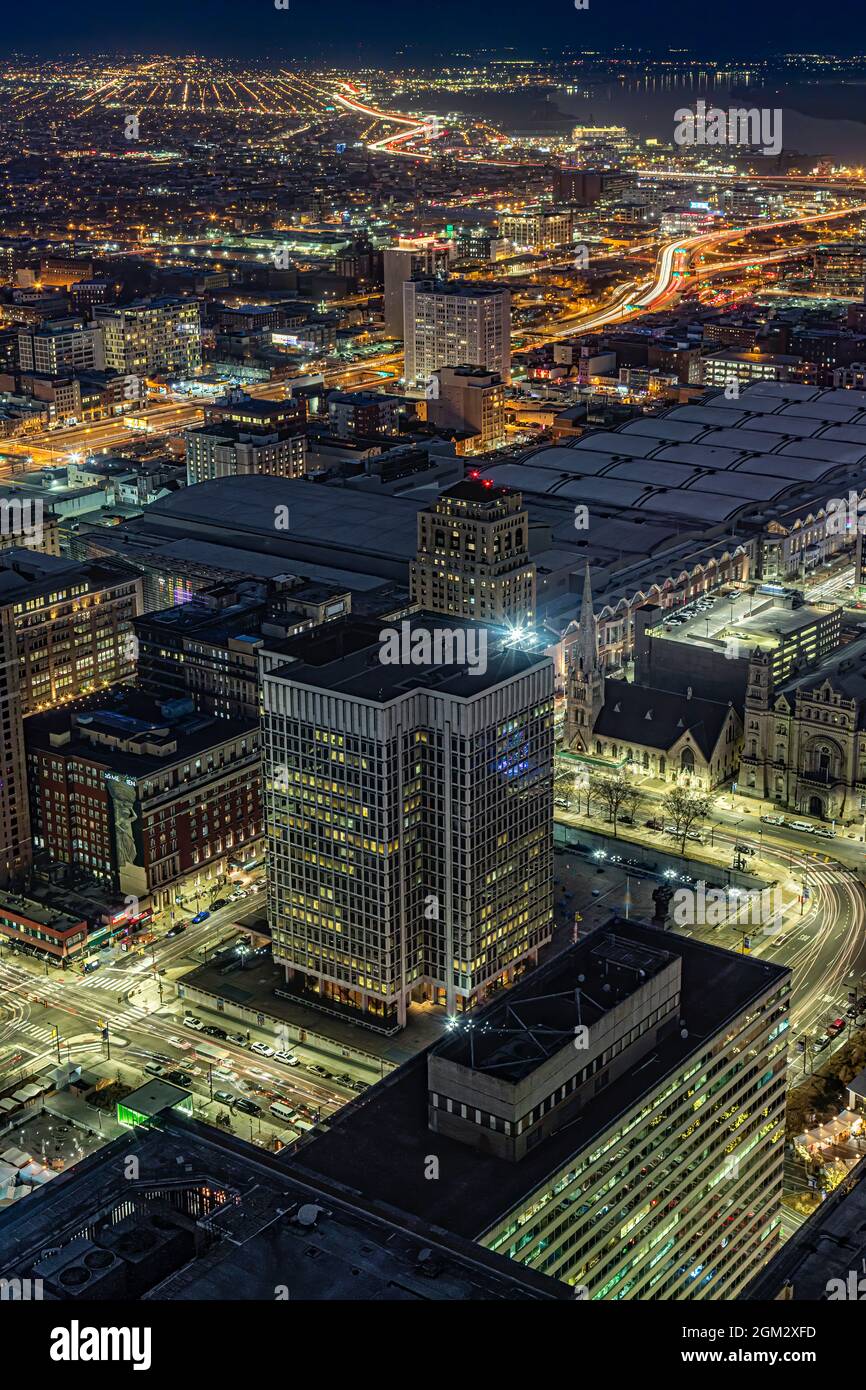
column 41, row 930
column 805, row 737
column 143, row 797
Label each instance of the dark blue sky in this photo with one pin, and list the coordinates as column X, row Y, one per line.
column 359, row 28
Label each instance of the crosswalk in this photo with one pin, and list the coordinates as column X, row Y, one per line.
column 37, row 1032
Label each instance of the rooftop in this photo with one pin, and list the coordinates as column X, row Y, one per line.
column 348, row 657
column 266, row 1223
column 130, row 733
column 716, row 986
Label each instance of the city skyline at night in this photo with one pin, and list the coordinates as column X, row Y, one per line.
column 432, row 668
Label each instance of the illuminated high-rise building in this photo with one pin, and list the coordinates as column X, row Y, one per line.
column 409, row 814
column 473, row 555
column 538, row 230
column 412, row 256
column 152, row 335
column 454, row 323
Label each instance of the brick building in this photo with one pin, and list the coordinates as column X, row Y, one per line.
column 145, row 798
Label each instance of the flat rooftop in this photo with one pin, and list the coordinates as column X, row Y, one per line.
column 37, row 912
column 154, row 1097
column 754, row 619
column 124, row 714
column 346, row 657
column 272, row 1225
column 523, row 1030
column 476, row 1190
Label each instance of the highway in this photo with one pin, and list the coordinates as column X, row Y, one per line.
column 669, row 281
column 167, row 419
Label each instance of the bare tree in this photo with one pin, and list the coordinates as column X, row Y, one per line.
column 563, row 779
column 617, row 794
column 685, row 808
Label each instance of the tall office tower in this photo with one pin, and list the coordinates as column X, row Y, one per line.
column 454, row 323
column 152, row 335
column 15, row 843
column 409, row 814
column 470, row 398
column 473, row 555
column 538, row 230
column 616, row 1121
column 63, row 345
column 223, row 450
column 425, row 256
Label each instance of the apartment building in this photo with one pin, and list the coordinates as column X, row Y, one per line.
column 162, row 334
column 449, row 324
column 72, row 624
column 144, row 797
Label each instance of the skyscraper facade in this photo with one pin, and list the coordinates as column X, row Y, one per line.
column 473, row 555
column 453, row 323
column 409, row 815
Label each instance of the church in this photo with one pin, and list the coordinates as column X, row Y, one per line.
column 617, row 725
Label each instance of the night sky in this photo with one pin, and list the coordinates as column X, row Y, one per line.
column 361, row 29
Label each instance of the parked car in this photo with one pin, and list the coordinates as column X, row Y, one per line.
column 239, row 1038
column 218, row 903
column 201, row 917
column 192, row 1022
column 803, row 825
column 262, row 1049
column 824, row 830
column 249, row 1107
column 836, row 1027
column 653, row 824
column 773, row 820
column 155, row 1068
column 178, row 1077
column 224, row 1097
column 561, row 801
column 214, row 1031
column 822, row 1042
column 288, row 1057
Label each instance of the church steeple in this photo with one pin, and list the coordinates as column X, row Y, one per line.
column 585, row 689
column 587, row 647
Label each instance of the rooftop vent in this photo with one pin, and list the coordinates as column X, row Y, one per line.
column 308, row 1215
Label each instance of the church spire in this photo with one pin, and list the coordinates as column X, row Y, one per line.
column 587, row 648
